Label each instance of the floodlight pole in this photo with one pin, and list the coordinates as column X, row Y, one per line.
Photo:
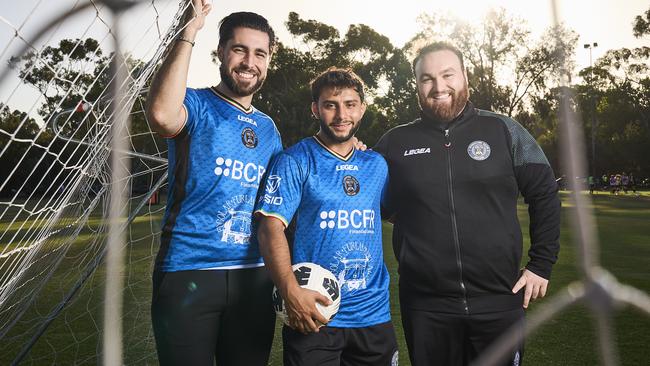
column 592, row 101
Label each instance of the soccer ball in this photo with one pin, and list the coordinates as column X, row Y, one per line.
column 314, row 277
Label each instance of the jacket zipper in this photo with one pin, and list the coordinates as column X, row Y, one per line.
column 453, row 221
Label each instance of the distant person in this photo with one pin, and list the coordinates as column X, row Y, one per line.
column 211, row 296
column 604, row 181
column 625, row 182
column 633, row 185
column 455, row 176
column 592, row 184
column 612, row 184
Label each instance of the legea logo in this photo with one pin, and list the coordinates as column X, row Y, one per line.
column 239, row 170
column 344, row 219
column 347, row 167
column 422, row 150
column 246, row 119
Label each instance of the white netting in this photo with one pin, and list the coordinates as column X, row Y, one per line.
column 55, row 122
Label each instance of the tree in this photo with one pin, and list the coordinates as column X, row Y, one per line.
column 620, row 84
column 642, row 25
column 72, row 72
column 22, row 142
column 542, row 65
column 66, row 74
column 617, row 90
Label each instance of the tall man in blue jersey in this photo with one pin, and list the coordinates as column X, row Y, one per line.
column 333, row 193
column 211, row 296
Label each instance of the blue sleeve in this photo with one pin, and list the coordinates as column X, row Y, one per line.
column 283, row 189
column 192, row 105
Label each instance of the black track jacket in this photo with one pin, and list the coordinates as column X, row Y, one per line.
column 454, row 188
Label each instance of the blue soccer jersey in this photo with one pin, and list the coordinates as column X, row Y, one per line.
column 335, row 201
column 216, row 163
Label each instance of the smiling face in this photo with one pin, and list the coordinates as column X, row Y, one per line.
column 244, row 61
column 340, row 111
column 442, row 85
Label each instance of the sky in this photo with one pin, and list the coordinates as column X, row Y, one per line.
column 607, row 22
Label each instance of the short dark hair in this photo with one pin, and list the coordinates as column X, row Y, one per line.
column 245, row 19
column 337, row 78
column 438, row 46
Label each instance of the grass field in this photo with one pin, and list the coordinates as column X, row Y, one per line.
column 569, row 339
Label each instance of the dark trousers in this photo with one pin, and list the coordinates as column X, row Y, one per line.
column 456, row 339
column 369, row 346
column 202, row 316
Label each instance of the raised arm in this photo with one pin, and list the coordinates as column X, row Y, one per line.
column 300, row 303
column 164, row 109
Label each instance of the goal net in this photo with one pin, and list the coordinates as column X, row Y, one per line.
column 55, row 185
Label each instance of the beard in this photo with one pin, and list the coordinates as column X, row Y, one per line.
column 447, row 112
column 339, row 139
column 237, row 88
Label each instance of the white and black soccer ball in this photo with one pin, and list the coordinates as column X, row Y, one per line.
column 314, row 277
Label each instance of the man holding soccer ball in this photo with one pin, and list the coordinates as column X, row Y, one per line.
column 333, row 193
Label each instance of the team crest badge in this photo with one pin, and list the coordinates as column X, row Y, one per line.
column 479, row 150
column 249, row 138
column 350, row 185
column 272, row 184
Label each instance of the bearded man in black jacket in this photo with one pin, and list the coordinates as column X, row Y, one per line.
column 455, row 177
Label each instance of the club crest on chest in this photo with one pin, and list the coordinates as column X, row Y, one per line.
column 249, row 138
column 350, row 185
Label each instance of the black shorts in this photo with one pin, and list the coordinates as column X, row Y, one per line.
column 373, row 346
column 454, row 340
column 202, row 316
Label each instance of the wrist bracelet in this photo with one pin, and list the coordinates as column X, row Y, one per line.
column 185, row 40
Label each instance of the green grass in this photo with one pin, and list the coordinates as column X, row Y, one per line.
column 568, row 339
column 624, row 235
column 74, row 336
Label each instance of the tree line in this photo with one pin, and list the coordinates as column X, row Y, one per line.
column 509, row 72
